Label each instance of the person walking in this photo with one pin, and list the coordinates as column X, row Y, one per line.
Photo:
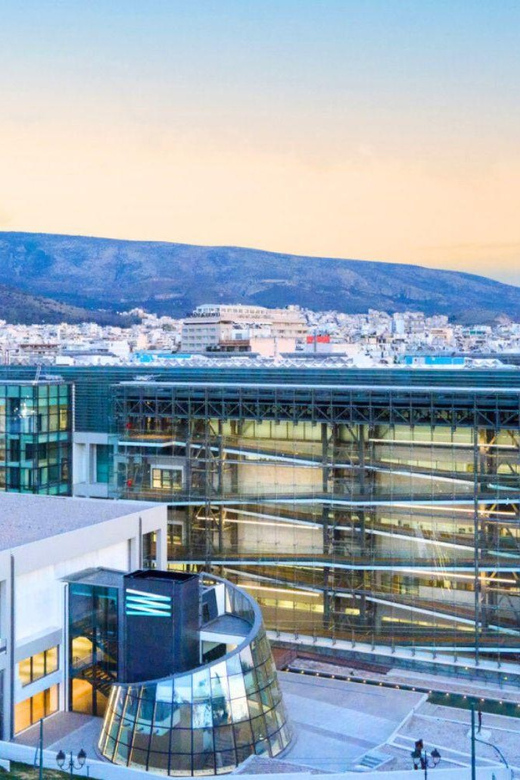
column 479, row 721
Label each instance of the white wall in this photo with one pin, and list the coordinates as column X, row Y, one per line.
column 39, row 594
column 84, row 465
column 39, row 567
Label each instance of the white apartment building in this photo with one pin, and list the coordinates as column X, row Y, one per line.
column 211, row 325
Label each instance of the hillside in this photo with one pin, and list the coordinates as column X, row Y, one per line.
column 23, row 308
column 173, row 278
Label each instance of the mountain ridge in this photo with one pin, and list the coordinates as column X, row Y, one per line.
column 171, row 278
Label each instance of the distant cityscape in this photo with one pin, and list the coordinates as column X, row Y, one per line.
column 213, row 331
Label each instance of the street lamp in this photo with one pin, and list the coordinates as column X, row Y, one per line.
column 424, row 760
column 71, row 763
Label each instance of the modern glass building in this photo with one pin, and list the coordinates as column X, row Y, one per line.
column 210, row 716
column 378, row 506
column 384, row 514
column 36, row 437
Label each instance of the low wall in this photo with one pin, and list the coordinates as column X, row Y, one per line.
column 102, row 770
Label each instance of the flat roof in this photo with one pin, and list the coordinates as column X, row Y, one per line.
column 228, row 624
column 96, row 385
column 112, row 578
column 93, row 382
column 26, row 518
column 47, row 380
column 319, row 386
column 155, row 574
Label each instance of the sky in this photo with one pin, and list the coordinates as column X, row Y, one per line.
column 370, row 129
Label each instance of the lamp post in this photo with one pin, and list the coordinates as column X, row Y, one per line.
column 424, row 760
column 71, row 763
column 40, row 752
column 475, row 739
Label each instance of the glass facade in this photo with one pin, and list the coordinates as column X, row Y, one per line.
column 104, row 459
column 377, row 505
column 35, row 437
column 382, row 515
column 93, row 646
column 206, row 721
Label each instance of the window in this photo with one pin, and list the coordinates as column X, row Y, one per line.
column 37, row 666
column 64, row 419
column 14, row 449
column 104, row 454
column 13, row 478
column 93, row 646
column 36, row 707
column 167, row 479
column 174, row 534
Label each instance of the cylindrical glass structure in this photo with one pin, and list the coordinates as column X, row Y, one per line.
column 205, row 721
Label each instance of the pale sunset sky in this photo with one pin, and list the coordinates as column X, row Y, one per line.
column 371, row 129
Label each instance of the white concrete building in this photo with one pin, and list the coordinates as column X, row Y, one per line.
column 213, row 325
column 43, row 540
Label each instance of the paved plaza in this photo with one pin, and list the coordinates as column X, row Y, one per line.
column 336, row 723
column 343, row 726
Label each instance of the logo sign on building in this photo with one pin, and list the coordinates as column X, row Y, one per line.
column 145, row 604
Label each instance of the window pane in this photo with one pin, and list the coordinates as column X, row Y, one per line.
column 38, row 706
column 225, row 761
column 236, row 686
column 38, row 669
column 24, row 671
column 51, row 703
column 243, row 735
column 22, row 716
column 239, row 709
column 51, row 659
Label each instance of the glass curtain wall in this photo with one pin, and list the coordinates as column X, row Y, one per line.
column 207, row 721
column 35, row 438
column 394, row 522
column 93, row 646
